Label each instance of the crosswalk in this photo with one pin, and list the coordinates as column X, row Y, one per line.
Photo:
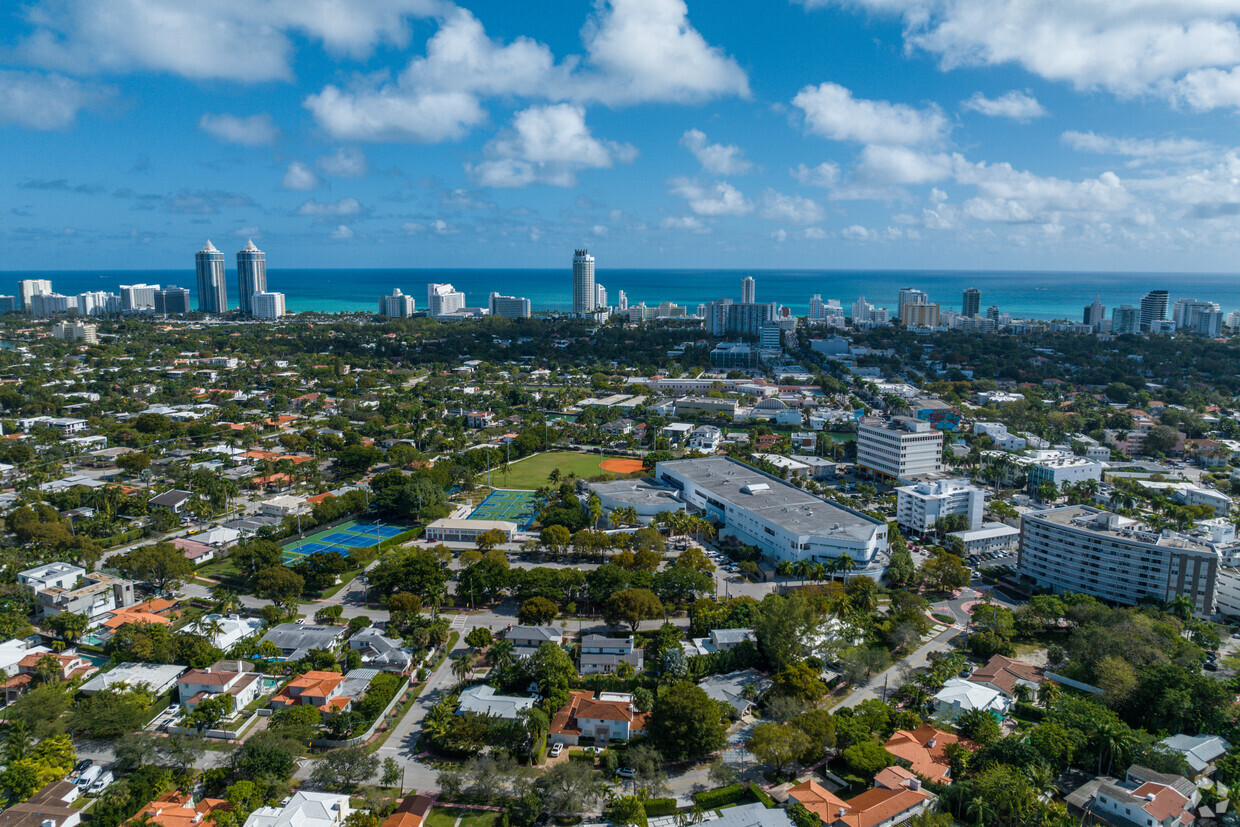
column 458, row 622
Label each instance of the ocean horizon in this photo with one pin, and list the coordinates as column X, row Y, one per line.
column 1024, row 294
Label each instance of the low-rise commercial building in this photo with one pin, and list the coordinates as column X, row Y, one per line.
column 467, row 531
column 1082, row 549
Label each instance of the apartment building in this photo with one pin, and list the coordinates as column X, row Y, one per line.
column 898, row 449
column 1082, row 549
column 920, row 506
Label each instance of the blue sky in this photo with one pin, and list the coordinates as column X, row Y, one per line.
column 971, row 134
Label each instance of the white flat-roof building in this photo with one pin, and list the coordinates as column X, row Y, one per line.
column 1192, row 494
column 919, row 507
column 49, row 575
column 1081, row 549
column 158, row 677
column 781, row 519
column 483, row 700
column 990, row 537
column 647, row 497
column 466, row 531
column 304, row 809
column 900, row 449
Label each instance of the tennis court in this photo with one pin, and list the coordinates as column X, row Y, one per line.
column 520, row 507
column 341, row 538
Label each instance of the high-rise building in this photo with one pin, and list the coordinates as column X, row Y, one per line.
column 98, row 303
column 251, row 275
column 264, row 305
column 748, row 290
column 9, row 304
column 816, row 306
column 76, row 332
column 1125, row 319
column 919, row 315
column 32, row 287
column 442, row 299
column 622, row 300
column 212, row 291
column 771, row 337
column 583, row 283
column 992, row 313
column 172, row 301
column 1095, row 313
column 1233, row 318
column 861, row 310
column 48, row 304
column 971, row 302
column 600, row 297
column 510, row 307
column 1184, row 312
column 136, row 298
column 910, row 295
column 397, row 305
column 1153, row 309
column 1206, row 322
column 899, row 449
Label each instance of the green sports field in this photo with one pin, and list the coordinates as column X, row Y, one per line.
column 532, row 472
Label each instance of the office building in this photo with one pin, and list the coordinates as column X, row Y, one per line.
column 919, row 507
column 781, row 519
column 1081, row 549
column 1153, row 309
column 442, row 299
column 264, row 305
column 900, row 449
column 511, row 307
column 76, row 332
column 1125, row 319
column 771, row 337
column 748, row 290
column 397, row 305
column 971, row 302
column 212, row 290
column 1095, row 314
column 26, row 288
column 137, row 298
column 251, row 275
column 725, row 316
column 600, row 297
column 172, row 301
column 919, row 315
column 584, row 296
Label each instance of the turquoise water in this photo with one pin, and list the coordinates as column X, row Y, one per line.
column 1031, row 294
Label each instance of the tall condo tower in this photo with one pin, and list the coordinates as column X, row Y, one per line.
column 251, row 275
column 584, row 294
column 1153, row 309
column 748, row 290
column 212, row 291
column 971, row 305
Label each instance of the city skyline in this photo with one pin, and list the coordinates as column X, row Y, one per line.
column 795, row 134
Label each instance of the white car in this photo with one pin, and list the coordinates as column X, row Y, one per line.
column 626, row 772
column 556, row 749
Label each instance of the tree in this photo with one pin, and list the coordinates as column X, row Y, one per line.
column 537, row 611
column 110, row 713
column 555, row 538
column 979, row 726
column 328, row 615
column 135, row 462
column 479, row 637
column 900, row 569
column 344, row 768
column 210, row 711
column 674, row 665
column 799, row 681
column 487, row 540
column 685, row 723
column 269, row 756
column 68, row 626
column 255, row 556
column 778, row 744
column 392, row 773
column 300, row 723
column 278, row 583
column 163, row 565
column 553, row 670
column 865, row 758
column 631, row 607
column 569, row 789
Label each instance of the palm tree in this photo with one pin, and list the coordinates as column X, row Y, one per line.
column 1114, row 739
column 226, row 600
column 845, row 563
column 784, row 568
column 978, row 810
column 211, row 628
column 802, row 568
column 460, row 669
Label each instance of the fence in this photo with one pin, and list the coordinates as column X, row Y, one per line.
column 331, row 743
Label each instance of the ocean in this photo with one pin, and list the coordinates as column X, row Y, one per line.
column 1024, row 294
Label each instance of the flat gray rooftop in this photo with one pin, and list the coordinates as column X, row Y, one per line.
column 637, row 492
column 1089, row 519
column 787, row 506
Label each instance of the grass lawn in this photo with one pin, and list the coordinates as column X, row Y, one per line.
column 531, row 473
column 447, row 816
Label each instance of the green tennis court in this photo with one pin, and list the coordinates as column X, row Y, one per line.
column 520, row 507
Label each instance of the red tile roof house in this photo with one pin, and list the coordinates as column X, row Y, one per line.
column 923, row 750
column 319, row 689
column 235, row 678
column 1005, row 674
column 609, row 717
column 70, row 666
column 896, row 797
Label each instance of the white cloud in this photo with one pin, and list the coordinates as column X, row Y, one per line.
column 546, row 145
column 790, row 208
column 599, row 231
column 856, row 232
column 248, row 231
column 831, row 111
column 883, row 165
column 239, row 40
column 344, row 163
column 684, row 222
column 342, row 232
column 647, row 50
column 719, row 198
column 1007, row 194
column 300, row 177
column 1140, row 149
column 345, row 206
column 779, row 236
column 256, row 130
column 825, row 175
column 717, row 159
column 814, row 233
column 40, row 101
column 1184, row 49
column 1019, row 106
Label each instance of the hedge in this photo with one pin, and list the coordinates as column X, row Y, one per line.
column 1029, row 711
column 659, row 806
column 761, row 795
column 802, row 817
column 722, row 797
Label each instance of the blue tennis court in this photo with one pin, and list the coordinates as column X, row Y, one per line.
column 349, row 540
column 341, row 538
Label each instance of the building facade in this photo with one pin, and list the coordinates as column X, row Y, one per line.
column 442, row 299
column 971, row 302
column 397, row 305
column 26, row 288
column 509, row 307
column 251, row 276
column 584, row 294
column 264, row 305
column 136, row 298
column 1153, row 309
column 172, row 301
column 919, row 507
column 900, row 449
column 748, row 290
column 212, row 290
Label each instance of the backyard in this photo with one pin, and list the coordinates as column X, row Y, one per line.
column 447, row 816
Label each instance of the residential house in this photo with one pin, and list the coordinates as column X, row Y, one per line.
column 235, row 678
column 411, row 812
column 740, row 690
column 13, row 651
column 609, row 717
column 923, row 750
column 1145, row 799
column 677, row 432
column 378, row 650
column 174, row 501
column 158, row 611
column 720, row 640
column 1005, row 674
column 67, row 667
column 323, row 690
column 49, row 807
column 295, row 640
column 1201, row 752
column 157, row 677
column 99, row 595
column 176, row 809
column 226, row 632
column 705, row 438
column 483, row 700
column 197, row 553
column 895, row 798
column 304, row 809
column 603, row 655
column 51, row 575
column 959, row 695
column 526, row 639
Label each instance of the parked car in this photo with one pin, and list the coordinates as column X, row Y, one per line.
column 626, row 772
column 556, row 749
column 101, row 783
column 81, row 767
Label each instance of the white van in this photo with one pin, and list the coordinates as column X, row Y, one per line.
column 89, row 777
column 101, row 783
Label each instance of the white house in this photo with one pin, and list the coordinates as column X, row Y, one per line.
column 230, row 631
column 378, row 649
column 959, row 695
column 603, row 655
column 235, row 678
column 483, row 700
column 705, row 438
column 304, row 809
column 51, row 575
column 609, row 717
